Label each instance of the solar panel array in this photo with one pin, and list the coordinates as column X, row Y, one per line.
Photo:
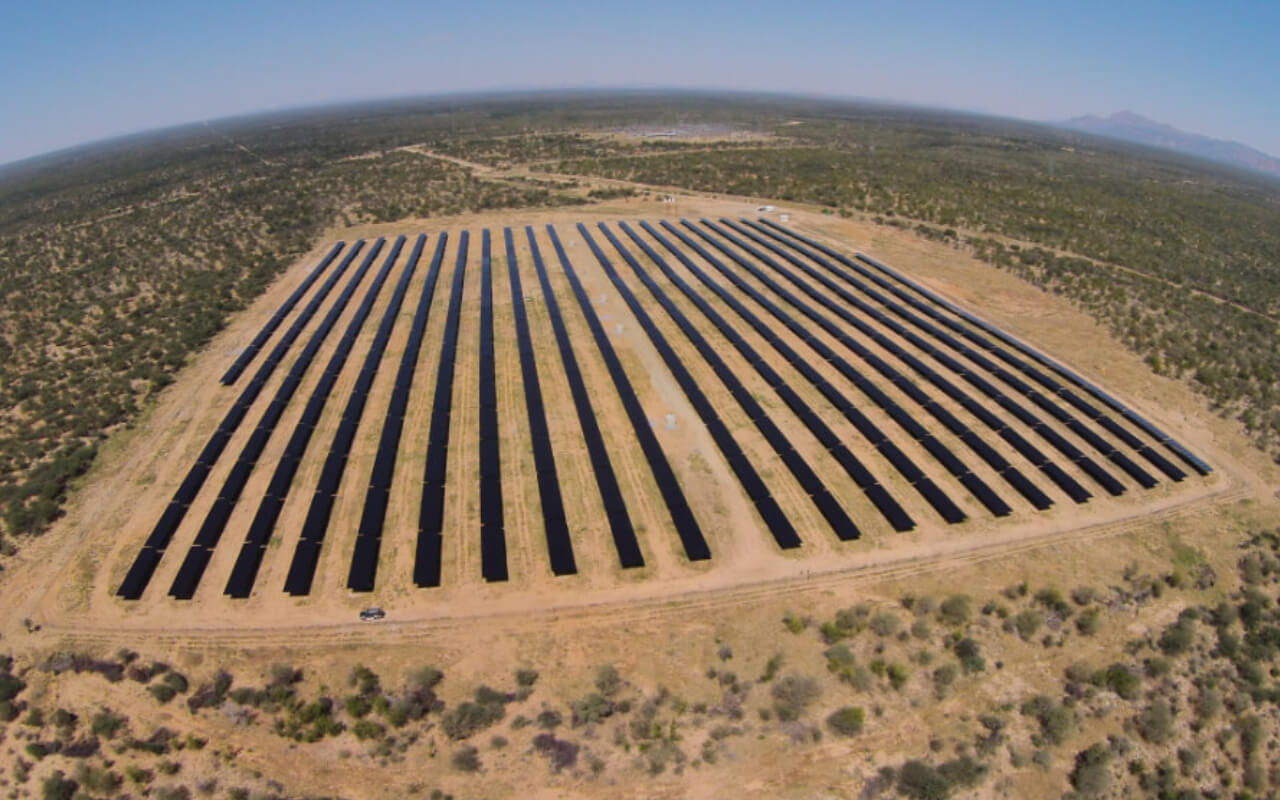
column 230, row 376
column 215, row 522
column 555, row 525
column 792, row 292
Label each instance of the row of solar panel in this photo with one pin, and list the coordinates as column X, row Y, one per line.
column 1106, row 480
column 868, row 429
column 686, row 524
column 1105, row 448
column 861, row 476
column 144, row 565
column 555, row 524
column 493, row 549
column 245, row 569
column 242, row 361
column 1045, row 380
column 620, row 526
column 932, row 494
column 1036, row 497
column 426, row 568
column 779, row 525
column 215, row 522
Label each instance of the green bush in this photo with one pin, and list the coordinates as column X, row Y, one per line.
column 1027, row 622
column 792, row 695
column 162, row 692
column 367, row 729
column 526, row 678
column 885, row 624
column 956, row 610
column 469, row 718
column 921, row 781
column 1155, row 722
column 1091, row 775
column 846, row 721
column 608, row 681
column 1121, row 680
column 58, row 787
column 970, row 654
column 1090, row 621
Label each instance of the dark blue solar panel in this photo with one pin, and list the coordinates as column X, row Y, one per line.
column 989, row 499
column 1066, row 483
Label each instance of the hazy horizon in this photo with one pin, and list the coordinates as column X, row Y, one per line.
column 82, row 73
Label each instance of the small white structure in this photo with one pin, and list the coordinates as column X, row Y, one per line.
column 670, row 422
column 618, row 328
column 784, row 217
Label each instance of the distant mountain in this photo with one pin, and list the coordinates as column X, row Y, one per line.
column 1137, row 128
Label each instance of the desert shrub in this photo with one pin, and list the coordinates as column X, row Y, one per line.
column 921, row 629
column 1089, row 622
column 792, row 695
column 970, row 654
column 1053, row 601
column 1157, row 667
column 1121, row 680
column 561, row 753
column 367, row 729
column 549, row 719
column 1091, row 774
column 885, row 624
column 962, row 771
column 793, row 622
column 846, row 721
column 357, row 705
column 526, row 678
column 107, row 723
column 1178, row 637
column 591, row 709
column 1056, row 722
column 58, row 787
column 469, row 718
column 771, row 668
column 426, row 678
column 172, row 793
column 956, row 610
column 943, row 677
column 921, row 781
column 466, row 759
column 897, row 674
column 1155, row 722
column 99, row 780
column 1208, row 703
column 162, row 692
column 176, row 681
column 1083, row 595
column 608, row 681
column 1027, row 622
column 137, row 775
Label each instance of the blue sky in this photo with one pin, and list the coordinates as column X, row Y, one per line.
column 72, row 72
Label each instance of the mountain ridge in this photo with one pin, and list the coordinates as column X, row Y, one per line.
column 1134, row 127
